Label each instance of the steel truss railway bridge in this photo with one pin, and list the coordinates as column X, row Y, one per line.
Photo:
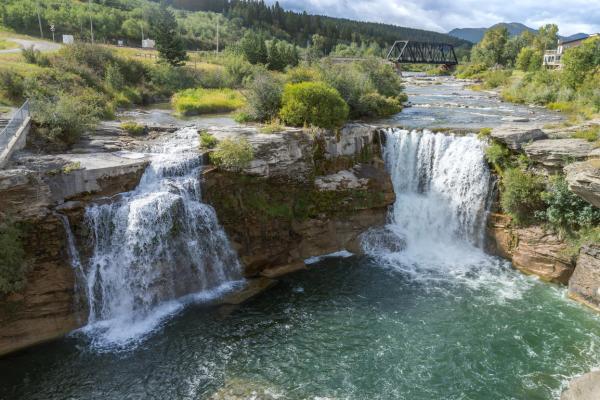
column 412, row 52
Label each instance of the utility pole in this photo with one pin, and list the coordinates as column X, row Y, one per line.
column 91, row 22
column 217, row 35
column 40, row 21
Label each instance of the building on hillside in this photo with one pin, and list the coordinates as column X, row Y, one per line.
column 552, row 58
column 148, row 44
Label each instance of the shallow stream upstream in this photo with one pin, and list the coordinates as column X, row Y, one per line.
column 425, row 315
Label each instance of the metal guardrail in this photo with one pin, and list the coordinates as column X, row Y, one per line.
column 13, row 126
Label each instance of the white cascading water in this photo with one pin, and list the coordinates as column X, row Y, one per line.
column 155, row 248
column 443, row 188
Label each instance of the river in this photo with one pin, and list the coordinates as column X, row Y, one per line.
column 428, row 317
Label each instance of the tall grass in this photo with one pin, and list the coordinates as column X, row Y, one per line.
column 207, row 101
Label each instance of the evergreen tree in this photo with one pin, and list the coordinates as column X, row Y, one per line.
column 168, row 41
column 275, row 59
column 254, row 48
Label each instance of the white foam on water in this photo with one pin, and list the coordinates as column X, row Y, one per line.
column 337, row 254
column 156, row 249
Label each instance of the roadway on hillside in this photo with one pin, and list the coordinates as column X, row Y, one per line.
column 40, row 45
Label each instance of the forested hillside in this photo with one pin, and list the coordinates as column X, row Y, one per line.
column 127, row 19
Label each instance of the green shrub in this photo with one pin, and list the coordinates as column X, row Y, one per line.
column 273, row 126
column 207, row 141
column 591, row 135
column 263, row 98
column 302, row 74
column 113, row 77
column 238, row 70
column 384, row 78
column 12, row 253
column 205, row 101
column 565, row 211
column 521, row 195
column 232, row 154
column 33, row 56
column 484, row 133
column 12, row 85
column 313, row 103
column 376, row 105
column 498, row 156
column 70, row 167
column 495, row 78
column 581, row 238
column 133, row 128
column 63, row 119
column 466, row 71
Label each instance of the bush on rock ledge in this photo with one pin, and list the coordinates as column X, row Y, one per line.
column 313, row 103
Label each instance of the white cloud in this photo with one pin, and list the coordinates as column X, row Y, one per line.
column 442, row 16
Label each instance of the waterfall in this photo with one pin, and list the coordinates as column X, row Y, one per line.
column 443, row 189
column 155, row 248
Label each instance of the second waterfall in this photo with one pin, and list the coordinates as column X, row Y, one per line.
column 155, row 248
column 443, row 190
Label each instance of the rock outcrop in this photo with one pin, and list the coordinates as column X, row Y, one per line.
column 32, row 195
column 542, row 253
column 584, row 285
column 584, row 180
column 532, row 250
column 553, row 154
column 584, row 387
column 333, row 188
column 515, row 137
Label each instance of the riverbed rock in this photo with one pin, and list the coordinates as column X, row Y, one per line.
column 584, row 285
column 584, row 387
column 553, row 154
column 542, row 253
column 584, row 180
column 515, row 137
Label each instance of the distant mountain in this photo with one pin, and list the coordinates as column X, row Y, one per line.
column 574, row 37
column 474, row 35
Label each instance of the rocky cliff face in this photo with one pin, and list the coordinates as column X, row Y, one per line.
column 584, row 285
column 34, row 195
column 334, row 187
column 532, row 250
column 306, row 193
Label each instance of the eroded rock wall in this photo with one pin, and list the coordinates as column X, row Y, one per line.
column 336, row 188
column 47, row 307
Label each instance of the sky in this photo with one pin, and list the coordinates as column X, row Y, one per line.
column 571, row 16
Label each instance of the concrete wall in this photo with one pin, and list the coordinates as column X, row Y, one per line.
column 16, row 143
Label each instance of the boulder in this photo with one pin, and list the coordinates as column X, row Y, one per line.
column 584, row 387
column 553, row 154
column 584, row 285
column 584, row 180
column 542, row 253
column 514, row 137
